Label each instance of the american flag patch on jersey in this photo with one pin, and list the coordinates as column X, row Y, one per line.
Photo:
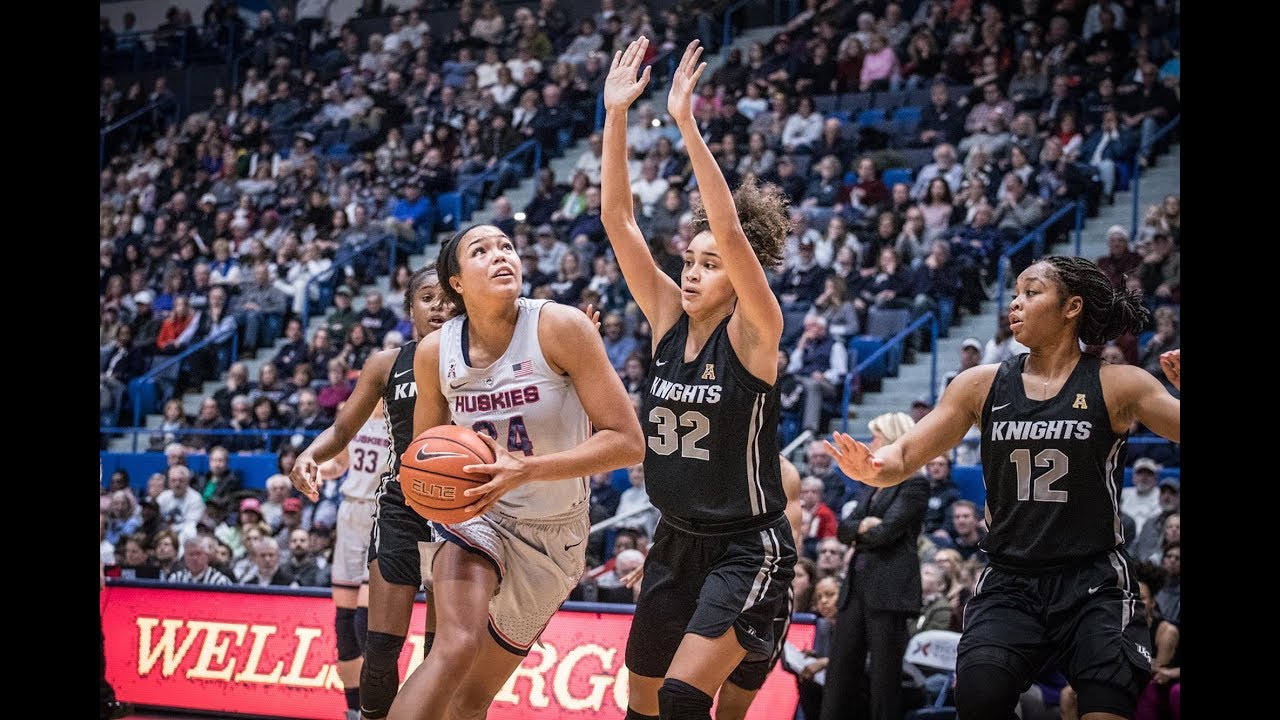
column 522, row 369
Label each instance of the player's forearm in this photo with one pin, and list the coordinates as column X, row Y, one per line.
column 716, row 196
column 326, row 446
column 615, row 181
column 604, row 451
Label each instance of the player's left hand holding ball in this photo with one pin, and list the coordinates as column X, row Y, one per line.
column 507, row 470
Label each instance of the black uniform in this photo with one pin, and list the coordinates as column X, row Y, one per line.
column 722, row 556
column 1060, row 587
column 397, row 529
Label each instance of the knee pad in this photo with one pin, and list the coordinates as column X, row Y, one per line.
column 362, row 627
column 380, row 674
column 348, row 642
column 986, row 691
column 678, row 700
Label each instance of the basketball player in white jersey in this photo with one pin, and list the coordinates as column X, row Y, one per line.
column 534, row 375
column 364, row 460
column 393, row 564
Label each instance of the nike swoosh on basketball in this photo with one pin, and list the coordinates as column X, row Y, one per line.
column 1093, row 590
column 659, row 363
column 402, row 372
column 568, row 547
column 1000, row 407
column 455, row 386
column 423, row 455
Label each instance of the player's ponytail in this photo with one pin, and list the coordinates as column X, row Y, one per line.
column 1108, row 313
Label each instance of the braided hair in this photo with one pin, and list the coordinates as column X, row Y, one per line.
column 1108, row 313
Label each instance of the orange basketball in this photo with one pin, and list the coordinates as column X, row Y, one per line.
column 431, row 473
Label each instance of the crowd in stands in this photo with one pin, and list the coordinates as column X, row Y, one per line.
column 917, row 141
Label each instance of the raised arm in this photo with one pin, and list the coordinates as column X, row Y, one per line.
column 306, row 476
column 655, row 293
column 959, row 409
column 757, row 306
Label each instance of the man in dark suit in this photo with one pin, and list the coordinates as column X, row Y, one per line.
column 880, row 593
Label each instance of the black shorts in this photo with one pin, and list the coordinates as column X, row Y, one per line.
column 397, row 530
column 701, row 583
column 751, row 674
column 1086, row 620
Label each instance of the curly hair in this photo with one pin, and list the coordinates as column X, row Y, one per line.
column 762, row 211
column 1108, row 313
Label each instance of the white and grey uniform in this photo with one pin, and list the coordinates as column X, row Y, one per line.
column 535, row 536
column 369, row 454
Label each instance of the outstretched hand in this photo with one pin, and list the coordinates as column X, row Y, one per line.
column 594, row 314
column 1171, row 362
column 854, row 458
column 621, row 87
column 680, row 99
column 306, row 477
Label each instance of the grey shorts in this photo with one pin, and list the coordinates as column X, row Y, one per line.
column 538, row 563
column 351, row 542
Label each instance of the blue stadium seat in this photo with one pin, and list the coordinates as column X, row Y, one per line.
column 907, row 115
column 968, row 478
column 860, row 348
column 449, row 210
column 891, row 176
column 889, row 99
column 870, row 117
column 825, row 104
column 855, row 102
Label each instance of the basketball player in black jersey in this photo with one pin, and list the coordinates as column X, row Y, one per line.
column 719, row 569
column 743, row 684
column 394, row 573
column 1060, row 587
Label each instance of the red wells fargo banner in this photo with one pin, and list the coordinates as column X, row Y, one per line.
column 238, row 652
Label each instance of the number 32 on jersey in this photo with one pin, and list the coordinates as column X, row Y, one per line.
column 669, row 437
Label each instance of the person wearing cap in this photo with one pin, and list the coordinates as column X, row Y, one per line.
column 1142, row 501
column 970, row 356
column 1054, row 423
column 549, row 248
column 1148, row 544
column 291, row 518
column 145, row 325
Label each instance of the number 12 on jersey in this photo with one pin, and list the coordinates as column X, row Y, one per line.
column 1053, row 459
column 669, row 438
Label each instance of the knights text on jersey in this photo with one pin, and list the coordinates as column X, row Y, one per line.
column 518, row 400
column 1053, row 470
column 711, row 432
column 398, row 399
